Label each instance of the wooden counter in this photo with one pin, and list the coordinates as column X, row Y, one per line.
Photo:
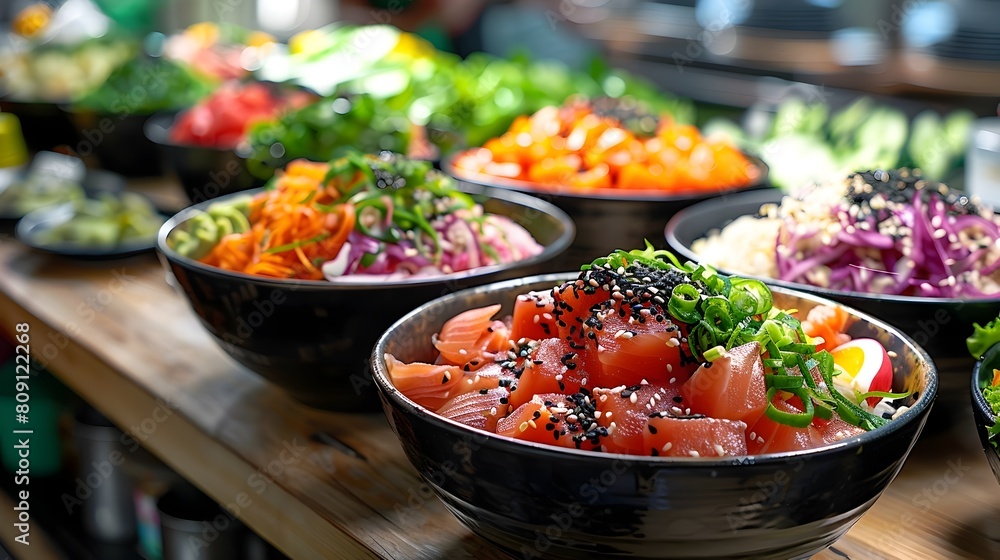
column 120, row 337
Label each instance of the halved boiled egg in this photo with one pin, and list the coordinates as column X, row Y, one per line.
column 866, row 361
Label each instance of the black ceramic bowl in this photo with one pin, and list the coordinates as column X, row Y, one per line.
column 117, row 140
column 982, row 375
column 536, row 501
column 609, row 219
column 939, row 325
column 314, row 338
column 204, row 172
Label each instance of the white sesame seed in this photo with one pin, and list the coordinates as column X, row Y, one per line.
column 720, row 450
column 694, row 453
column 493, row 411
column 537, row 317
column 667, row 446
column 632, row 398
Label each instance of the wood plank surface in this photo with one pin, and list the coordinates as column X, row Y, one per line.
column 124, row 340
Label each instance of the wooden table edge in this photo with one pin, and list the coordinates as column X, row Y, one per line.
column 220, row 476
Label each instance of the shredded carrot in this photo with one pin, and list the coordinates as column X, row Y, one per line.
column 292, row 230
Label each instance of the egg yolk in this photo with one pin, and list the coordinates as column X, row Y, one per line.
column 851, row 359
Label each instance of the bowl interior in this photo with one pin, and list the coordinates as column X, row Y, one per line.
column 314, row 338
column 982, row 376
column 409, row 340
column 549, row 225
column 939, row 325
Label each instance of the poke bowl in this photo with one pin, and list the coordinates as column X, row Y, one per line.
column 937, row 323
column 312, row 336
column 983, row 376
column 540, row 498
column 621, row 203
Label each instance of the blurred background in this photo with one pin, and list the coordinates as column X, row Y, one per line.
column 774, row 76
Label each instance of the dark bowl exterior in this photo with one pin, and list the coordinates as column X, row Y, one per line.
column 118, row 142
column 939, row 325
column 542, row 502
column 606, row 223
column 204, row 172
column 44, row 125
column 982, row 375
column 314, row 338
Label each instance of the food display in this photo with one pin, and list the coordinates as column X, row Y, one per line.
column 221, row 51
column 59, row 73
column 644, row 355
column 146, row 85
column 462, row 102
column 223, row 119
column 38, row 190
column 805, row 141
column 319, row 130
column 882, row 232
column 982, row 339
column 105, row 222
column 356, row 218
column 609, row 144
column 458, row 214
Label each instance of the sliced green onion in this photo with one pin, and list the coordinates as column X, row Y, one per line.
column 806, row 371
column 368, row 259
column 783, row 382
column 683, row 303
column 714, row 353
column 295, row 245
column 796, row 420
column 883, row 395
column 807, row 349
column 823, row 411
